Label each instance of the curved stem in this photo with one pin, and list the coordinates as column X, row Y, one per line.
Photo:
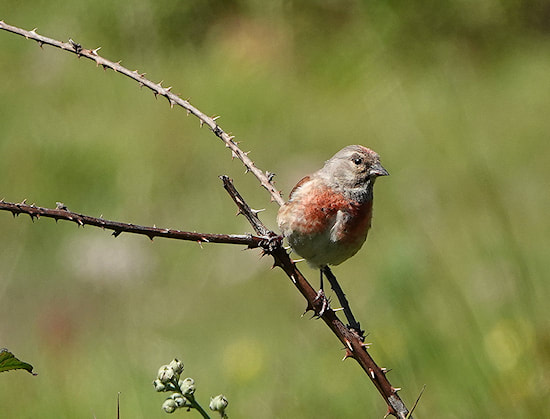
column 196, row 405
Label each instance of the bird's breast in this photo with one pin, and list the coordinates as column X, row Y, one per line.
column 320, row 209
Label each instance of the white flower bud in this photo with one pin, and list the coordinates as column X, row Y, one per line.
column 159, row 386
column 187, row 386
column 169, row 406
column 165, row 374
column 180, row 400
column 177, row 366
column 218, row 403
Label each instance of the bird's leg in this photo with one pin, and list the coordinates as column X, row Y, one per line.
column 353, row 324
column 321, row 297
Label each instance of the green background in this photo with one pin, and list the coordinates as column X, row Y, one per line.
column 452, row 284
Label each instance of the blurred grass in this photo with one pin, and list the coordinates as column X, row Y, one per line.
column 452, row 285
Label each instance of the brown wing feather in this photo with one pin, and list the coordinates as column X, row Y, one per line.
column 300, row 183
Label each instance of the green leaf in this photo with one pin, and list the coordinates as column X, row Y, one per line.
column 9, row 362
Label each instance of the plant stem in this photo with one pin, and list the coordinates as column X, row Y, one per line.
column 197, row 406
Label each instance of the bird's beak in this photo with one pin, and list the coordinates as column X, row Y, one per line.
column 378, row 170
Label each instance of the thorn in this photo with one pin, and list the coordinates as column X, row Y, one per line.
column 40, row 44
column 347, row 355
column 142, row 75
column 256, row 211
column 295, row 261
column 292, row 278
column 105, row 67
column 366, row 344
column 61, row 206
column 94, row 51
column 200, row 244
column 309, row 307
column 371, row 372
column 395, row 389
column 172, row 103
column 231, row 137
column 338, row 309
column 116, row 233
column 23, row 201
column 276, row 263
column 168, row 88
column 348, row 344
column 33, row 32
column 214, row 118
column 233, row 155
column 201, row 122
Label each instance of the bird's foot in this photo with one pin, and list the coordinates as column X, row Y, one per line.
column 321, row 304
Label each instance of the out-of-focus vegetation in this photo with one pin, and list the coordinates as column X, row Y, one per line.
column 453, row 282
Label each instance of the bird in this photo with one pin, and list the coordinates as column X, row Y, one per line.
column 328, row 214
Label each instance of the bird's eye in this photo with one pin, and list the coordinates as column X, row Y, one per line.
column 357, row 160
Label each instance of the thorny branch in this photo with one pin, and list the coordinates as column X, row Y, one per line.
column 63, row 213
column 268, row 240
column 353, row 343
column 157, row 88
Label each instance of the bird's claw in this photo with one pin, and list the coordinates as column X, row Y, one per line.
column 321, row 304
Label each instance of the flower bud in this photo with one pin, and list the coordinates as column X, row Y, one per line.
column 187, row 386
column 180, row 400
column 169, row 406
column 165, row 374
column 159, row 386
column 218, row 403
column 177, row 366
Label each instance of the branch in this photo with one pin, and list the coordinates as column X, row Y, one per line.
column 269, row 241
column 265, row 179
column 352, row 341
column 62, row 213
